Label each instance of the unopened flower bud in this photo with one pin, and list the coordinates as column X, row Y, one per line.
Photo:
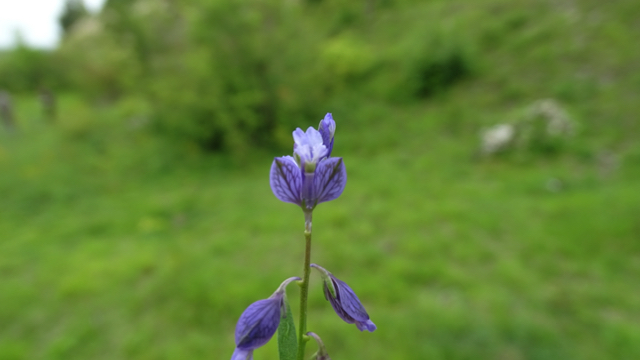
column 344, row 301
column 259, row 322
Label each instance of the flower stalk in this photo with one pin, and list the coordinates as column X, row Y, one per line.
column 304, row 287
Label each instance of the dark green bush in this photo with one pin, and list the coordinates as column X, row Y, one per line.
column 24, row 69
column 434, row 60
column 236, row 84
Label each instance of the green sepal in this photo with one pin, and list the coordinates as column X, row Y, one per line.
column 326, row 278
column 287, row 340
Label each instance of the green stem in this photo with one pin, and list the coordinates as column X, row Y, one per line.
column 304, row 288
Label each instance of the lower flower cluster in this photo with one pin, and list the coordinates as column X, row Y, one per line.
column 259, row 322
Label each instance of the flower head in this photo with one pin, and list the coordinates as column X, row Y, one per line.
column 310, row 176
column 344, row 301
column 259, row 322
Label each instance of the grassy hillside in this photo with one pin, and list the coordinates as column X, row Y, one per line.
column 115, row 243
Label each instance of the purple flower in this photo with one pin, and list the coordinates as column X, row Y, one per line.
column 344, row 301
column 259, row 322
column 310, row 176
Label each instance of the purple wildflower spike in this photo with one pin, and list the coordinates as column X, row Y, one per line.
column 344, row 301
column 310, row 176
column 259, row 322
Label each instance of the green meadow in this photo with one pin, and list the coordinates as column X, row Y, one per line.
column 117, row 242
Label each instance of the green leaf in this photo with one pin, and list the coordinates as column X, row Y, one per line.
column 287, row 340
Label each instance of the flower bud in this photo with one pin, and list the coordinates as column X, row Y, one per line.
column 327, row 129
column 344, row 301
column 259, row 322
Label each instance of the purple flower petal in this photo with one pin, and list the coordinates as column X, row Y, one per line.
column 239, row 354
column 329, row 180
column 299, row 137
column 335, row 304
column 309, row 146
column 258, row 323
column 366, row 325
column 310, row 137
column 349, row 301
column 286, row 179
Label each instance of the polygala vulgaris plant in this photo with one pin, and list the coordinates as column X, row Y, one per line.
column 309, row 177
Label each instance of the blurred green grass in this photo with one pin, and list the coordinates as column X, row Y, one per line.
column 117, row 244
column 105, row 255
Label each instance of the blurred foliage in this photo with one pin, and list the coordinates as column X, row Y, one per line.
column 234, row 75
column 24, row 69
column 73, row 11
